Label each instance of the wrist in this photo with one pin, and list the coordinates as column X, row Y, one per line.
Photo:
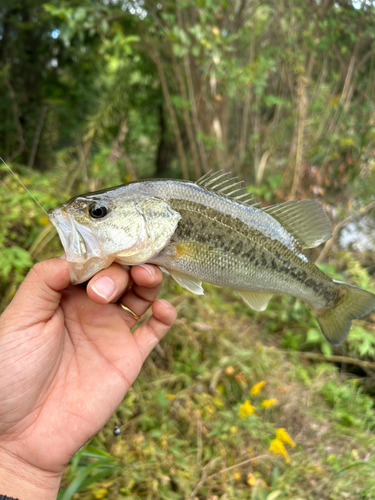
column 19, row 479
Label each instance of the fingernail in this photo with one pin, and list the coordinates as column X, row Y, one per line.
column 104, row 287
column 165, row 303
column 149, row 269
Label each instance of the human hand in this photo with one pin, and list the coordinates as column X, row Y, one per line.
column 67, row 359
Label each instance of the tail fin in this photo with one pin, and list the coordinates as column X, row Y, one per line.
column 336, row 323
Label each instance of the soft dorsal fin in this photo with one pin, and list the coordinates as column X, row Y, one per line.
column 223, row 184
column 305, row 220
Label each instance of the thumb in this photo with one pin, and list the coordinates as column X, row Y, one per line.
column 39, row 294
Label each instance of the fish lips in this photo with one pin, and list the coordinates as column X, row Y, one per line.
column 81, row 247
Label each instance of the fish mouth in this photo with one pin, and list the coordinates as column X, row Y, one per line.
column 71, row 239
column 81, row 246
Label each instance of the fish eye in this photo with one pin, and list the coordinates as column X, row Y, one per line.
column 98, row 211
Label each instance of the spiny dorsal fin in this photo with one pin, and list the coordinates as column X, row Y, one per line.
column 305, row 220
column 223, row 184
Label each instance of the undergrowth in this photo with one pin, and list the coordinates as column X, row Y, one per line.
column 222, row 411
column 229, row 405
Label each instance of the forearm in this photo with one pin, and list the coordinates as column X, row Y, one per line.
column 26, row 482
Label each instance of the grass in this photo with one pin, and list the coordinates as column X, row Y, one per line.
column 187, row 432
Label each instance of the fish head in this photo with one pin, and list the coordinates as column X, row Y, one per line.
column 96, row 230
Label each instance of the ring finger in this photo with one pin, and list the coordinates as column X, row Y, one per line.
column 139, row 297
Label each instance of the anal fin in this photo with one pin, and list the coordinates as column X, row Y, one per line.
column 256, row 300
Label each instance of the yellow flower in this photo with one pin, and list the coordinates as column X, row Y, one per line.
column 221, row 388
column 237, row 476
column 229, row 370
column 355, row 454
column 255, row 390
column 277, row 447
column 284, row 437
column 43, row 220
column 100, row 493
column 251, row 479
column 268, row 402
column 217, row 401
column 233, row 429
column 246, row 409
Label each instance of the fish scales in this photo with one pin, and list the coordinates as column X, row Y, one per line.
column 198, row 233
column 224, row 251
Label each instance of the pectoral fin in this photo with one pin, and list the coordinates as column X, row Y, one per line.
column 192, row 284
column 256, row 300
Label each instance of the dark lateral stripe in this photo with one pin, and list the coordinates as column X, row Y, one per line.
column 204, row 225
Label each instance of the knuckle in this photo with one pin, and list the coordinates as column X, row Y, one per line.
column 157, row 333
column 36, row 271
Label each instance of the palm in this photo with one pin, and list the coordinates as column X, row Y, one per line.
column 75, row 369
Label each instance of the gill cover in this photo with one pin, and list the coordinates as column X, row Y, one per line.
column 160, row 222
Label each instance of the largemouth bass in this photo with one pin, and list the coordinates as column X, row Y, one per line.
column 212, row 231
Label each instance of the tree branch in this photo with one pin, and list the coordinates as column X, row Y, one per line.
column 192, row 98
column 37, row 136
column 330, row 243
column 16, row 115
column 302, row 84
column 337, row 359
column 159, row 66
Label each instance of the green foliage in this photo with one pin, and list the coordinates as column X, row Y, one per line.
column 182, row 431
column 89, row 466
column 17, row 260
column 24, row 223
column 115, row 91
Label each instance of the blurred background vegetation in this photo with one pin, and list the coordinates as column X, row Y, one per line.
column 281, row 93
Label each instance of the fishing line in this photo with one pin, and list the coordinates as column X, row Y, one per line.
column 23, row 185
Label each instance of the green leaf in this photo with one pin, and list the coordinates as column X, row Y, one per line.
column 313, row 336
column 76, row 485
column 274, row 495
column 326, row 348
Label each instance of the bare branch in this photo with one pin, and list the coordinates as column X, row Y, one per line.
column 330, row 243
column 246, row 109
column 302, row 87
column 185, row 115
column 163, row 81
column 116, row 150
column 37, row 136
column 16, row 114
column 205, row 478
column 193, row 100
column 337, row 359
